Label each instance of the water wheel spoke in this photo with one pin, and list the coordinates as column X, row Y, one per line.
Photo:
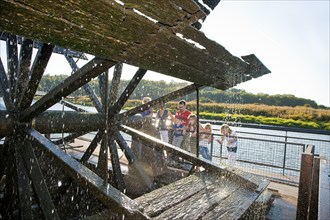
column 92, row 146
column 130, row 156
column 72, row 83
column 103, row 80
column 24, row 67
column 102, row 163
column 4, row 86
column 38, row 181
column 12, row 63
column 114, row 89
column 88, row 89
column 37, row 70
column 118, row 177
column 23, row 186
column 108, row 195
column 73, row 107
column 10, row 170
column 69, row 138
column 171, row 96
column 127, row 92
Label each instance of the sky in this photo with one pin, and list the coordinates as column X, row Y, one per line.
column 290, row 37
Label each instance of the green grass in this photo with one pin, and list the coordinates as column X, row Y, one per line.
column 301, row 117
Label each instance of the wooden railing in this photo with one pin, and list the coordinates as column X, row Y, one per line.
column 314, row 192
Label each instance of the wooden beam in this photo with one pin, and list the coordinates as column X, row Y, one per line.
column 108, row 195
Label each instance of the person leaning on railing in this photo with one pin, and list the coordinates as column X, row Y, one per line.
column 229, row 139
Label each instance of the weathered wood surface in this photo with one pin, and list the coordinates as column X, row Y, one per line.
column 203, row 195
column 113, row 31
column 172, row 12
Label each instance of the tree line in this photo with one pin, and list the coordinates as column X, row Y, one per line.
column 155, row 89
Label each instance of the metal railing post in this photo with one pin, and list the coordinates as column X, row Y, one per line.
column 211, row 147
column 285, row 146
column 197, row 110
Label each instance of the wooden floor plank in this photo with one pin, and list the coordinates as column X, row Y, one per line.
column 202, row 202
column 234, row 206
column 162, row 199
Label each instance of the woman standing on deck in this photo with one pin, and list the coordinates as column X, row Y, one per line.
column 229, row 139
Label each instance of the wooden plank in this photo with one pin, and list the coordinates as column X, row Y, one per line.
column 233, row 206
column 203, row 202
column 163, row 198
column 108, row 195
column 198, row 196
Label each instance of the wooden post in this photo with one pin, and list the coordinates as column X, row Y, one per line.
column 305, row 183
column 324, row 191
column 314, row 199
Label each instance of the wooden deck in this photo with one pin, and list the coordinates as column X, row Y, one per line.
column 202, row 195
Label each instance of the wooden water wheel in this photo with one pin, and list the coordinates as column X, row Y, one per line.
column 115, row 32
